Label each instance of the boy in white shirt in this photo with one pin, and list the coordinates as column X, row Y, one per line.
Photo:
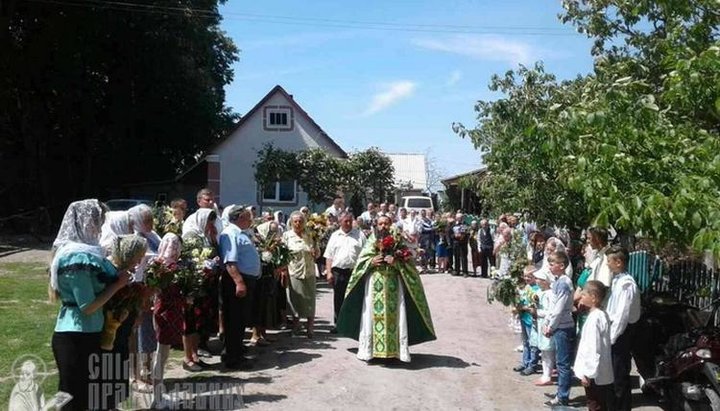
column 623, row 308
column 593, row 363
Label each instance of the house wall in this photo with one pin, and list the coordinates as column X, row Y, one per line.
column 238, row 152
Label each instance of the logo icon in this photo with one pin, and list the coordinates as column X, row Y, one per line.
column 29, row 371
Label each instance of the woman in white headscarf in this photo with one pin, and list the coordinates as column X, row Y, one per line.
column 141, row 219
column 552, row 245
column 201, row 317
column 83, row 280
column 117, row 223
column 202, row 224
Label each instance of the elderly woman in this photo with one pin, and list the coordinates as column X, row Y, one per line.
column 301, row 292
column 201, row 318
column 83, row 280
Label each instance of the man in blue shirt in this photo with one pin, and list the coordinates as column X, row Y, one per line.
column 242, row 264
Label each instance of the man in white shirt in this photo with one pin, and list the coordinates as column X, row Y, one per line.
column 623, row 308
column 598, row 242
column 369, row 215
column 341, row 254
column 336, row 208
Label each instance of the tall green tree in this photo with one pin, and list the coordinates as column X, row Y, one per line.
column 637, row 140
column 97, row 95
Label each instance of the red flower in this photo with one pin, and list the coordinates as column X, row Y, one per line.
column 388, row 242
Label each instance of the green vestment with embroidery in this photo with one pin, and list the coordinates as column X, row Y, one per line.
column 384, row 283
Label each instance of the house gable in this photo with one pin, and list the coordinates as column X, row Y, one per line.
column 278, row 120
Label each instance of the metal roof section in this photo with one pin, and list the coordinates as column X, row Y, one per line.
column 409, row 168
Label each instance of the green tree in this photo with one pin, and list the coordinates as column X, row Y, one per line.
column 369, row 175
column 320, row 175
column 635, row 142
column 96, row 95
column 515, row 137
column 272, row 165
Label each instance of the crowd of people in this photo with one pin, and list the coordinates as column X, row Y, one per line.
column 576, row 310
column 99, row 255
column 577, row 313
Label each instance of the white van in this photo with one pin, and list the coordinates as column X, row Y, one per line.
column 417, row 203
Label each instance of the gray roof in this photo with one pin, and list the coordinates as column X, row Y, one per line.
column 410, row 168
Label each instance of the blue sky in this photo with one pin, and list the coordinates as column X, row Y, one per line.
column 402, row 87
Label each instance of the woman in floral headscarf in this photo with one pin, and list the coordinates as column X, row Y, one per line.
column 168, row 315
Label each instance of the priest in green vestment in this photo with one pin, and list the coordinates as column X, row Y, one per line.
column 385, row 308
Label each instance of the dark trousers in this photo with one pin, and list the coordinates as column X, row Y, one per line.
column 427, row 243
column 341, row 278
column 621, row 370
column 460, row 255
column 599, row 397
column 237, row 314
column 72, row 352
column 486, row 260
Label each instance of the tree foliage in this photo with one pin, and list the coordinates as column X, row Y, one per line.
column 366, row 175
column 95, row 96
column 634, row 144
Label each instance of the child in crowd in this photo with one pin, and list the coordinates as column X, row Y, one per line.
column 560, row 325
column 623, row 309
column 526, row 311
column 544, row 344
column 593, row 364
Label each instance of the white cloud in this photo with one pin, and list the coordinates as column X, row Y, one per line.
column 389, row 95
column 455, row 76
column 483, row 47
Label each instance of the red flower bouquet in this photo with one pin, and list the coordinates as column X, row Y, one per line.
column 392, row 244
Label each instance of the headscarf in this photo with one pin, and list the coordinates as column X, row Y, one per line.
column 79, row 233
column 225, row 217
column 169, row 250
column 281, row 224
column 81, row 223
column 126, row 248
column 117, row 223
column 559, row 246
column 196, row 223
column 137, row 215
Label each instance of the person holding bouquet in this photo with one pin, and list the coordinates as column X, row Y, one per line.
column 385, row 308
column 301, row 270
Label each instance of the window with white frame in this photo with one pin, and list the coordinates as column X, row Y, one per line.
column 278, row 118
column 280, row 192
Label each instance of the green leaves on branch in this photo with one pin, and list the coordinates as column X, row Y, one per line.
column 368, row 174
column 635, row 144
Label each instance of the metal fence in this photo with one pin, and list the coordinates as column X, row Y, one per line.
column 691, row 282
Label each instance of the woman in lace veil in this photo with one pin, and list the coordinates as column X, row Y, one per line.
column 201, row 317
column 117, row 223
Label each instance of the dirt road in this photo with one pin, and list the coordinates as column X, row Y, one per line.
column 468, row 367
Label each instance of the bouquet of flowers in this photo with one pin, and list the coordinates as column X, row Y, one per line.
column 392, row 244
column 190, row 279
column 317, row 227
column 196, row 267
column 127, row 300
column 159, row 275
column 164, row 221
column 273, row 252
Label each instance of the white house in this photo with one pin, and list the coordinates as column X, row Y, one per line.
column 276, row 119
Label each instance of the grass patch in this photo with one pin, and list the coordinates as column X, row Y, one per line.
column 27, row 320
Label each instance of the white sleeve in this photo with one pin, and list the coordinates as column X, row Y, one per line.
column 588, row 357
column 622, row 312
